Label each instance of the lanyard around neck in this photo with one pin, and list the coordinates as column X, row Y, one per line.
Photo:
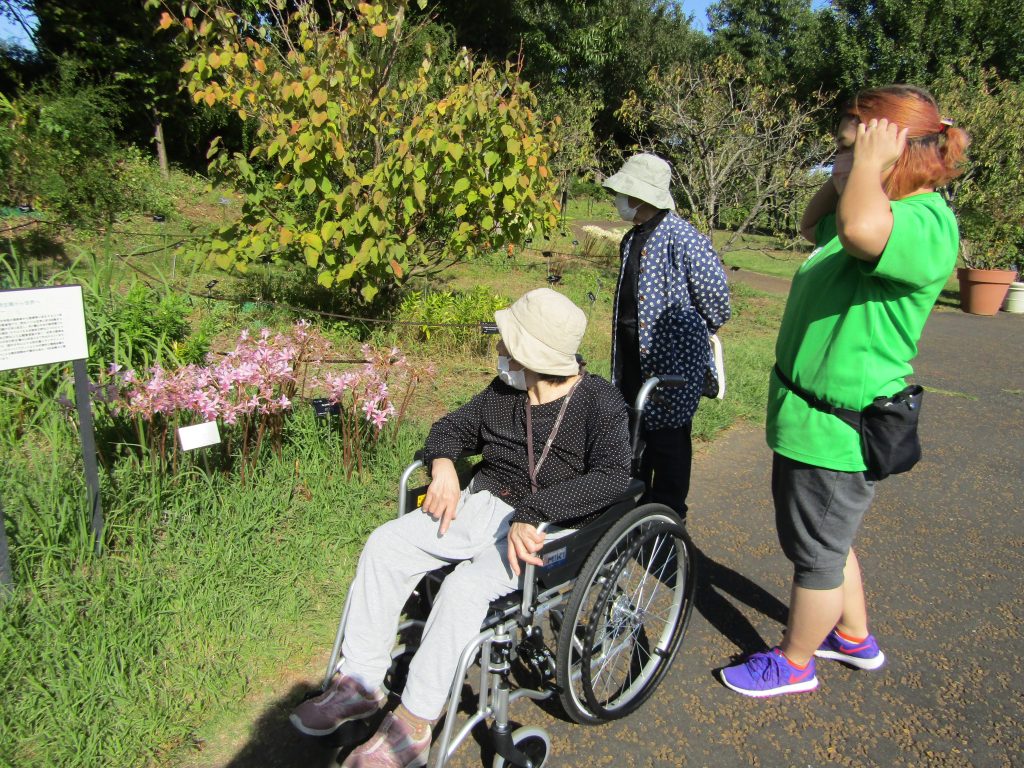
column 535, row 469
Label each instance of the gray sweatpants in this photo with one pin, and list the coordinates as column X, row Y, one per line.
column 396, row 556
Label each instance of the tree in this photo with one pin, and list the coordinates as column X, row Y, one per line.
column 363, row 169
column 989, row 197
column 877, row 42
column 777, row 40
column 732, row 144
column 599, row 50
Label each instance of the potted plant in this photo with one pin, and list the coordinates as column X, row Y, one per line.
column 989, row 197
column 988, row 271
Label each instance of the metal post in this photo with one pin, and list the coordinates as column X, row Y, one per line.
column 6, row 580
column 88, row 436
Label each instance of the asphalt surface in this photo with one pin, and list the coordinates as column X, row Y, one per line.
column 942, row 551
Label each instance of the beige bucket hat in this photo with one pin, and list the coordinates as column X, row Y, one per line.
column 646, row 177
column 542, row 330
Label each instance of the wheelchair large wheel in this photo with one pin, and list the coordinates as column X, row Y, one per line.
column 626, row 616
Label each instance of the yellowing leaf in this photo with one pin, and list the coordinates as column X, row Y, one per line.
column 397, row 269
column 319, row 97
column 380, row 30
column 419, row 190
column 531, row 161
column 512, row 146
column 165, row 20
column 455, row 150
column 309, row 185
column 260, row 65
column 318, row 118
column 312, row 257
column 241, row 60
column 210, row 98
column 312, row 240
column 509, row 202
column 285, row 236
column 213, row 60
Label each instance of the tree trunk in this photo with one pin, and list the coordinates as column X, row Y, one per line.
column 161, row 147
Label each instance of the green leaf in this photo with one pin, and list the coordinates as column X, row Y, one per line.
column 368, row 292
column 455, row 150
column 513, row 147
column 419, row 189
column 326, row 279
column 461, row 185
column 487, row 222
column 490, row 158
column 312, row 257
column 509, row 202
column 309, row 185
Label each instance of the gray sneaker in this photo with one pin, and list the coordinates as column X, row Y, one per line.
column 344, row 700
column 394, row 745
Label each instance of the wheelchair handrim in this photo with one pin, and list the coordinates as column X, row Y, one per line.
column 660, row 654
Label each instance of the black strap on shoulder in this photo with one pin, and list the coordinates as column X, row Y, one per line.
column 851, row 417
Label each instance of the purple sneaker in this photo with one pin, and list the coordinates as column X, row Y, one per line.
column 393, row 746
column 343, row 701
column 769, row 674
column 862, row 655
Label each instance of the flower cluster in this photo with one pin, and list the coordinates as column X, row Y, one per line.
column 256, row 378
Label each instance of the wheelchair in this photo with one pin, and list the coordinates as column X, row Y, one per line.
column 597, row 626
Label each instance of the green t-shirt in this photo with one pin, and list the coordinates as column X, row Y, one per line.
column 851, row 328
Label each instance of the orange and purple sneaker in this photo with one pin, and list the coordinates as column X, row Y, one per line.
column 862, row 654
column 769, row 673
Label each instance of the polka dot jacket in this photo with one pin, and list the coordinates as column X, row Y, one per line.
column 587, row 465
column 682, row 297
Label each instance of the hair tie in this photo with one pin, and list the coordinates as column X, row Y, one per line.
column 947, row 122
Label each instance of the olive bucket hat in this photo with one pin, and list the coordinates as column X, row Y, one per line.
column 646, row 177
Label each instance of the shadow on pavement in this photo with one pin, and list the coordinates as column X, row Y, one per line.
column 714, row 581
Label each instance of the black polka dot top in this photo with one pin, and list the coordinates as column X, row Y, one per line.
column 587, row 465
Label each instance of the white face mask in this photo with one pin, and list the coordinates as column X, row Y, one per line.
column 515, row 379
column 626, row 211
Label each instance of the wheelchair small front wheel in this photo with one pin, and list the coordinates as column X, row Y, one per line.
column 532, row 742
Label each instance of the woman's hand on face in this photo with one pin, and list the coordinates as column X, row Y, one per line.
column 442, row 498
column 879, row 144
column 524, row 541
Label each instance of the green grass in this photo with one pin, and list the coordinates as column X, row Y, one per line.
column 132, row 657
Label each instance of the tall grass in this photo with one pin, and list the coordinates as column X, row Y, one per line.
column 117, row 660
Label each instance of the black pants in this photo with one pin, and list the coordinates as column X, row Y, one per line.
column 665, row 468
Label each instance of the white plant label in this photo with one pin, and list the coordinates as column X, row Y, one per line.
column 198, row 435
column 39, row 326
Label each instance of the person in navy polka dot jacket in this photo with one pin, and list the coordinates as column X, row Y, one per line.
column 671, row 295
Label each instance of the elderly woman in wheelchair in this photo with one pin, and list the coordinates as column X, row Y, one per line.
column 613, row 597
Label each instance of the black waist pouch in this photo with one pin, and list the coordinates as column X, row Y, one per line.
column 887, row 427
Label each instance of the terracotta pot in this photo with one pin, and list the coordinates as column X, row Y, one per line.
column 982, row 290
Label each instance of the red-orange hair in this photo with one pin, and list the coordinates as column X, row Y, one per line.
column 935, row 150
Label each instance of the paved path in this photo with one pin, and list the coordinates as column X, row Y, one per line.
column 943, row 554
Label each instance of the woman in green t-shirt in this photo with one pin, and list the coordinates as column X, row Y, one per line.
column 885, row 244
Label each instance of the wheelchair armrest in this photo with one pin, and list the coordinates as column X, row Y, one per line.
column 404, row 495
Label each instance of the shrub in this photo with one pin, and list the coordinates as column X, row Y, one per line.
column 363, row 172
column 450, row 319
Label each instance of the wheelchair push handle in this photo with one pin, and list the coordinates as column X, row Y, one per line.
column 644, row 394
